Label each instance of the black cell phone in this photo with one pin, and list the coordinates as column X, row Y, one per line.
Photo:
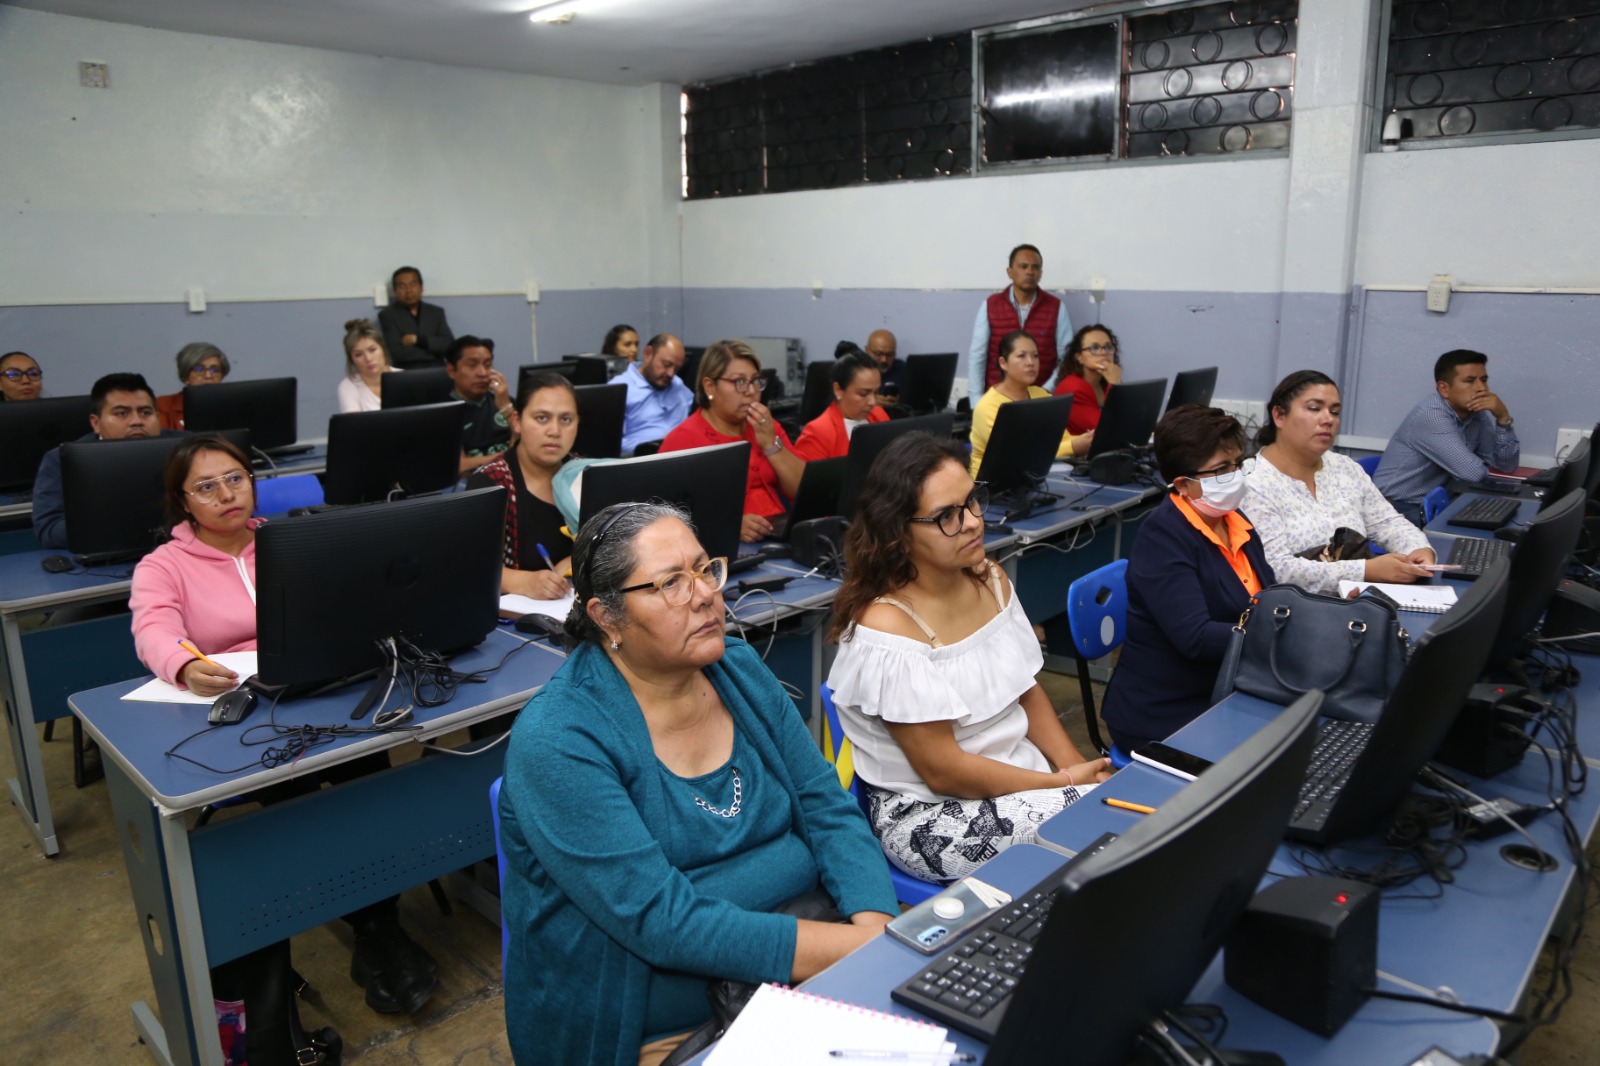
column 1171, row 760
column 1375, row 593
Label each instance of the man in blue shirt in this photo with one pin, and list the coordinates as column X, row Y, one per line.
column 657, row 398
column 1461, row 432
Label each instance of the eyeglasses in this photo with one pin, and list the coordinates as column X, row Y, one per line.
column 744, row 385
column 208, row 489
column 13, row 374
column 1104, row 349
column 678, row 586
column 1225, row 474
column 948, row 519
column 206, row 370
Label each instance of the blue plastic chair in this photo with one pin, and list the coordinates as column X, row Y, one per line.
column 1369, row 463
column 907, row 889
column 277, row 495
column 1433, row 503
column 1097, row 614
column 500, row 864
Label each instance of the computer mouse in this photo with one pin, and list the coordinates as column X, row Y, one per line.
column 1511, row 533
column 58, row 564
column 230, row 707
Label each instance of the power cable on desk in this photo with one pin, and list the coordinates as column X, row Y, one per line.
column 299, row 740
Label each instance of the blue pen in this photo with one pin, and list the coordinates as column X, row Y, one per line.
column 545, row 556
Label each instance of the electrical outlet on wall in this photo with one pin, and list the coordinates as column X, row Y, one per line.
column 1567, row 439
column 1439, row 293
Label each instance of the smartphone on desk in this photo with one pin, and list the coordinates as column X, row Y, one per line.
column 932, row 924
column 1170, row 760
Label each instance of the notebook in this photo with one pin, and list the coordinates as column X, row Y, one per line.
column 156, row 690
column 1424, row 599
column 783, row 1027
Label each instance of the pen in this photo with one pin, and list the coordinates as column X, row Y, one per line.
column 867, row 1054
column 189, row 647
column 545, row 556
column 1137, row 808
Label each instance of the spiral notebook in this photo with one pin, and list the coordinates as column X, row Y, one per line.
column 1424, row 599
column 783, row 1027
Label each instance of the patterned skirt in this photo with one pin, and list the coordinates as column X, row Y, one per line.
column 946, row 840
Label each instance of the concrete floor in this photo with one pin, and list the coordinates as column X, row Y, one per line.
column 73, row 962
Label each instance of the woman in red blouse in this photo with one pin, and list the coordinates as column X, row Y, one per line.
column 1095, row 367
column 856, row 380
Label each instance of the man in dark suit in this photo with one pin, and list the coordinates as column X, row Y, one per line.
column 416, row 333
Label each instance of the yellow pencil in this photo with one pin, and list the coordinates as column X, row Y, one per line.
column 1137, row 808
column 189, row 647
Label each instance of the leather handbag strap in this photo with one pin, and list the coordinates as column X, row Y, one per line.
column 1280, row 619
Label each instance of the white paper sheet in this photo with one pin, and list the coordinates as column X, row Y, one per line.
column 557, row 609
column 782, row 1027
column 156, row 690
column 1409, row 597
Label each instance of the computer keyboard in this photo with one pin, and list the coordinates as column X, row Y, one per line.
column 1338, row 746
column 969, row 986
column 1474, row 555
column 1543, row 479
column 1485, row 512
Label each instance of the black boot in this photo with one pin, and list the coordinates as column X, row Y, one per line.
column 396, row 972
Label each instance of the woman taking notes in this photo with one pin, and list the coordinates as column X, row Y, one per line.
column 661, row 798
column 855, row 403
column 960, row 749
column 1300, row 493
column 1019, row 365
column 536, row 544
column 366, row 360
column 1193, row 570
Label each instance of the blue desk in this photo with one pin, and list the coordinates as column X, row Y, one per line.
column 1526, row 509
column 207, row 895
column 38, row 669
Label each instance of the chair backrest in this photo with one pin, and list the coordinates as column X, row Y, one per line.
column 1097, row 609
column 1433, row 503
column 838, row 746
column 1369, row 463
column 500, row 864
column 277, row 495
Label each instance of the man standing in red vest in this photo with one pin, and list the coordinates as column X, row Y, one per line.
column 1020, row 305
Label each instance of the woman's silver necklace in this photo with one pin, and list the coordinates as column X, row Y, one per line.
column 738, row 797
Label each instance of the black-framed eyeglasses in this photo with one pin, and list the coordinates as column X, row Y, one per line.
column 1225, row 473
column 1106, row 349
column 744, row 385
column 948, row 519
column 677, row 587
column 11, row 373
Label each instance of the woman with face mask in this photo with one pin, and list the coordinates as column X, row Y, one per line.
column 1192, row 573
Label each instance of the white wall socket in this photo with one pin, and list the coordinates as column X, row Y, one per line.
column 533, row 292
column 1567, row 439
column 380, row 295
column 1097, row 290
column 197, row 300
column 1439, row 293
column 1250, row 412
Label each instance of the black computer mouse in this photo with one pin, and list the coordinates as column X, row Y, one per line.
column 1511, row 533
column 58, row 564
column 230, row 707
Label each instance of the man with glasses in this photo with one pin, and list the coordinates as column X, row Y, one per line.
column 1021, row 305
column 121, row 407
column 20, row 377
column 657, row 398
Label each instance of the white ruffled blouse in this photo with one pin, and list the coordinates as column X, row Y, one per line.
column 976, row 684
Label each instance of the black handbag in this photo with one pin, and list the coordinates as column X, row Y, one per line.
column 1289, row 641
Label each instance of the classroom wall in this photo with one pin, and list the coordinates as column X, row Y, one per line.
column 287, row 181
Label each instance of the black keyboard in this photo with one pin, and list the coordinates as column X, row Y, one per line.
column 1485, row 512
column 1543, row 479
column 1474, row 555
column 969, row 986
column 1339, row 744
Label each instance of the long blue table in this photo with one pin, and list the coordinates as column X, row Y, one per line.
column 213, row 893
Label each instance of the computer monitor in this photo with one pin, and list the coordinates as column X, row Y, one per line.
column 1591, row 484
column 1571, row 476
column 1026, row 436
column 707, row 482
column 329, row 586
column 114, row 496
column 818, row 494
column 414, row 388
column 1193, row 386
column 376, row 455
column 1536, row 568
column 32, row 427
column 819, row 389
column 929, row 378
column 1418, row 714
column 1153, row 907
column 1129, row 416
column 267, row 407
column 601, row 409
column 867, row 441
column 586, row 370
column 690, row 370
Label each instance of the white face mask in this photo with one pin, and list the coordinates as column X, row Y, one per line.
column 1216, row 501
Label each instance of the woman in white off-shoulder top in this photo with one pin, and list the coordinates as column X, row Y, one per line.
column 961, row 751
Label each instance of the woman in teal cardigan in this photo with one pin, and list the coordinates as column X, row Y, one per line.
column 661, row 798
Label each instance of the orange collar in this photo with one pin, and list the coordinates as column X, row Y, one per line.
column 1238, row 527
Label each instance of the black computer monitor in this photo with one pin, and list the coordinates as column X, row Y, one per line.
column 1193, row 386
column 1536, row 567
column 601, row 409
column 818, row 393
column 1571, row 476
column 587, row 370
column 329, row 586
column 1591, row 484
column 1026, row 436
column 707, row 482
column 114, row 496
column 817, row 495
column 929, row 378
column 267, row 407
column 30, row 428
column 1154, row 906
column 377, row 455
column 690, row 370
column 1418, row 714
column 867, row 441
column 413, row 388
column 1129, row 416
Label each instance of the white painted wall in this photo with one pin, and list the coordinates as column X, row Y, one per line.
column 265, row 172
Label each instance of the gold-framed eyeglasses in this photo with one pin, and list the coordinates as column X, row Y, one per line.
column 948, row 519
column 677, row 587
column 744, row 385
column 211, row 487
column 1227, row 472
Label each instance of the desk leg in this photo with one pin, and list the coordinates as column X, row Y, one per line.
column 28, row 790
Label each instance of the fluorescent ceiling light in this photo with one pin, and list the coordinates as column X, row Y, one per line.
column 560, row 11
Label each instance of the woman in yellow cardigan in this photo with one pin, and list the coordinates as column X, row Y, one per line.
column 1019, row 364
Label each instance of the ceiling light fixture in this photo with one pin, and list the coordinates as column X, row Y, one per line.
column 560, row 13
